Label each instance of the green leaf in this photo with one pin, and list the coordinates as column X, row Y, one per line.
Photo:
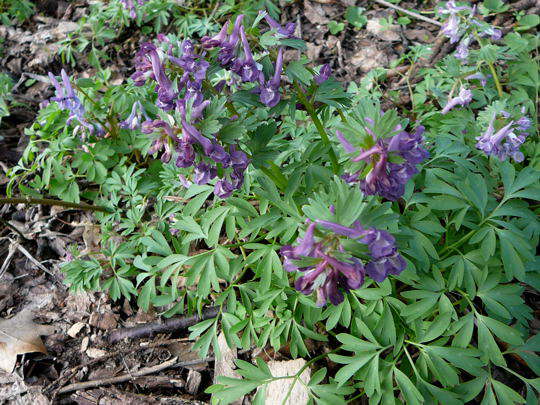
column 488, row 345
column 408, row 389
column 505, row 394
column 502, row 331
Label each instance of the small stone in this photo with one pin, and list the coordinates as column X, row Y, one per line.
column 94, row 353
column 84, row 343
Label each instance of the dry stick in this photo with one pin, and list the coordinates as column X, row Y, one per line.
column 119, row 379
column 411, row 13
column 167, row 326
column 143, row 371
column 48, row 201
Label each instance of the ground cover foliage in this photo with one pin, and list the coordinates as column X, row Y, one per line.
column 390, row 247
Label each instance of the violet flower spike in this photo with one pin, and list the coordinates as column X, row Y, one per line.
column 504, row 143
column 462, row 50
column 387, row 179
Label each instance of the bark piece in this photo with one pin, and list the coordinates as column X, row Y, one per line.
column 193, row 382
column 276, row 391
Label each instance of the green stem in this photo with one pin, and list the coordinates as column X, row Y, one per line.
column 318, row 124
column 48, row 201
column 460, row 242
column 491, row 68
column 496, row 79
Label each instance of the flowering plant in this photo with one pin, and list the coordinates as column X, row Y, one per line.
column 229, row 170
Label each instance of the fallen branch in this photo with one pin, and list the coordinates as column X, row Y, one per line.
column 119, row 379
column 168, row 325
column 48, row 201
column 143, row 371
column 411, row 13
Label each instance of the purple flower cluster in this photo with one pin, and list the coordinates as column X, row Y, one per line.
column 208, row 157
column 328, row 275
column 235, row 54
column 130, row 5
column 505, row 142
column 457, row 25
column 386, row 178
column 68, row 100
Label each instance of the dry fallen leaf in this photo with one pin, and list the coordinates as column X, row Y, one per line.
column 20, row 335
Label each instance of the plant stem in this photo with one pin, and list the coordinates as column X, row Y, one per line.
column 318, row 124
column 48, row 201
column 496, row 79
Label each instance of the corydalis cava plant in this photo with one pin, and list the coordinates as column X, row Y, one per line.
column 327, row 267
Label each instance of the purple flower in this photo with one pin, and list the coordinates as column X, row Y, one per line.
column 227, row 53
column 324, row 74
column 134, row 119
column 270, row 90
column 164, row 141
column 66, row 99
column 217, row 40
column 186, row 154
column 506, row 141
column 462, row 50
column 246, row 68
column 223, row 188
column 204, row 173
column 478, row 76
column 387, row 179
column 148, row 65
column 463, row 98
column 452, row 8
column 451, row 28
column 130, row 5
column 286, row 32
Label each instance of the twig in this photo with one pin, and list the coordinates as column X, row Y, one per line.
column 8, row 260
column 144, row 371
column 33, row 259
column 48, row 201
column 411, row 13
column 13, row 227
column 119, row 379
column 169, row 325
